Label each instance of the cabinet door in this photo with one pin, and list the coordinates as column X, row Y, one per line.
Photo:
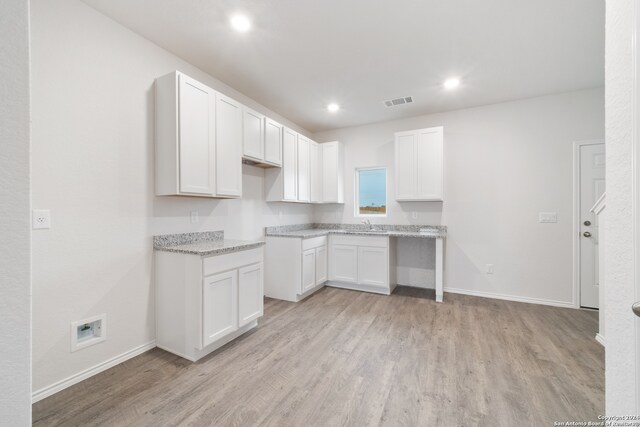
column 344, row 263
column 429, row 155
column 315, row 172
column 250, row 293
column 308, row 270
column 330, row 172
column 303, row 169
column 290, row 165
column 405, row 173
column 220, row 306
column 197, row 137
column 252, row 135
column 321, row 265
column 272, row 142
column 228, row 147
column 373, row 269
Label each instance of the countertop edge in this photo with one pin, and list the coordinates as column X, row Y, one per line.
column 215, row 251
column 313, row 234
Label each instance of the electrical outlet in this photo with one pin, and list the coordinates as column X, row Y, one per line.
column 41, row 219
column 414, row 215
column 548, row 217
column 489, row 268
column 194, row 217
column 280, row 214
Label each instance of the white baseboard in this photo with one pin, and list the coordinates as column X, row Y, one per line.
column 600, row 339
column 80, row 376
column 509, row 297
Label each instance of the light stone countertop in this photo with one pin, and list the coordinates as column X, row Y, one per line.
column 315, row 230
column 202, row 244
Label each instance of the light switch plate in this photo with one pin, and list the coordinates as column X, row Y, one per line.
column 548, row 217
column 194, row 217
column 41, row 219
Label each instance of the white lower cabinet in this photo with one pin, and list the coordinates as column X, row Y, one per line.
column 203, row 303
column 373, row 266
column 364, row 263
column 344, row 263
column 220, row 306
column 308, row 270
column 321, row 265
column 287, row 279
column 250, row 293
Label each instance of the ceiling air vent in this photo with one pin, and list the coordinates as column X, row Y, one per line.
column 399, row 101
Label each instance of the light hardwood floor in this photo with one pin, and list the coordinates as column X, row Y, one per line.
column 357, row 359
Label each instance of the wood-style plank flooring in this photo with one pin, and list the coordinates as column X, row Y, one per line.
column 346, row 358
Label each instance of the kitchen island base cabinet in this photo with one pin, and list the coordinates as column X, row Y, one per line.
column 294, row 268
column 202, row 303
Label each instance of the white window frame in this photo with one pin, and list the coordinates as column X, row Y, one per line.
column 357, row 192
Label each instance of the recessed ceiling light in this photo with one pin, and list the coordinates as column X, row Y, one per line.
column 333, row 107
column 240, row 23
column 452, row 83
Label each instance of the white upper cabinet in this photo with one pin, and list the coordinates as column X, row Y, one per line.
column 281, row 185
column 290, row 165
column 228, row 147
column 262, row 139
column 332, row 172
column 185, row 137
column 304, row 182
column 253, row 135
column 419, row 165
column 315, row 172
column 198, row 139
column 272, row 142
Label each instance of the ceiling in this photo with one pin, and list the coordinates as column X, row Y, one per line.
column 303, row 54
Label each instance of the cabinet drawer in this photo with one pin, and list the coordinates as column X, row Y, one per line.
column 314, row 242
column 219, row 263
column 371, row 241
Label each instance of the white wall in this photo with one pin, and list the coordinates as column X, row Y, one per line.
column 620, row 293
column 15, row 256
column 93, row 167
column 504, row 163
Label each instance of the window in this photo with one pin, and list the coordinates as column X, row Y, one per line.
column 371, row 192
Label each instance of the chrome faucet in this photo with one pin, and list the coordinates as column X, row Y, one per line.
column 367, row 223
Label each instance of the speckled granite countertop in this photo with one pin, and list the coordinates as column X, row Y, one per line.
column 306, row 231
column 206, row 243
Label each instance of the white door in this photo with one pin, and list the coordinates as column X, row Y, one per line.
column 429, row 156
column 303, row 169
column 405, row 174
column 592, row 186
column 321, row 265
column 315, row 175
column 308, row 270
column 344, row 263
column 272, row 142
column 250, row 293
column 253, row 134
column 220, row 306
column 197, row 137
column 228, row 147
column 372, row 266
column 290, row 165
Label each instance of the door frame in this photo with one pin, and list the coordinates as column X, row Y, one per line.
column 635, row 183
column 577, row 145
